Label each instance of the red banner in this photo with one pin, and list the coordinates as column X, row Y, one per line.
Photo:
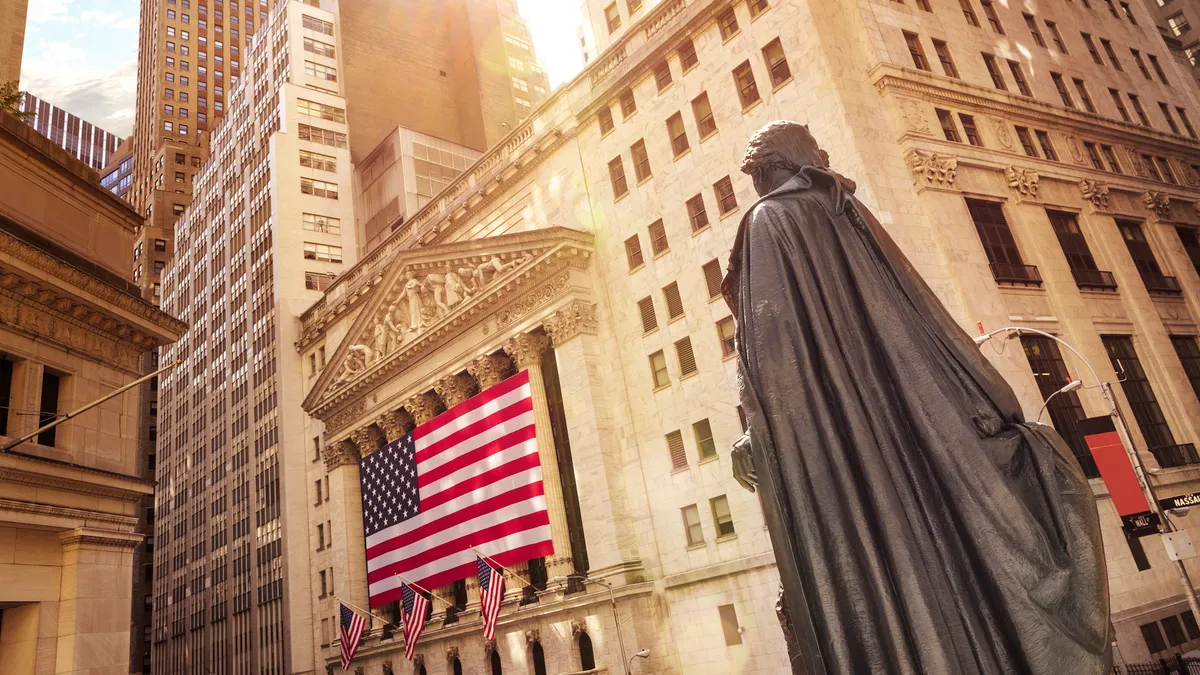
column 1115, row 468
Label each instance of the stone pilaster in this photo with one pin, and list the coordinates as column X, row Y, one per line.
column 423, row 407
column 455, row 389
column 526, row 350
column 395, row 423
column 490, row 369
column 94, row 601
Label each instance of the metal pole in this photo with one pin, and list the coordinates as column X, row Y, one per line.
column 612, row 597
column 12, row 444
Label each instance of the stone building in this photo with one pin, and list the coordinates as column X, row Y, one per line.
column 73, row 328
column 1177, row 19
column 1037, row 169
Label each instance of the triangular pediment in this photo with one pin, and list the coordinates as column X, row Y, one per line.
column 429, row 294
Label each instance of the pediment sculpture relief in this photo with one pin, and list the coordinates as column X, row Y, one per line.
column 419, row 301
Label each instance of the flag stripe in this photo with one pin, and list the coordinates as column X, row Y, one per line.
column 510, row 462
column 435, row 428
column 466, row 457
column 458, row 566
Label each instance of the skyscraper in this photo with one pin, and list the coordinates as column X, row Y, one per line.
column 12, row 38
column 84, row 140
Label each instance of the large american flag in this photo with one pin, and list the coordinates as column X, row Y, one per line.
column 468, row 478
column 352, row 625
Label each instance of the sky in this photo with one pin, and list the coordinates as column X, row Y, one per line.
column 81, row 55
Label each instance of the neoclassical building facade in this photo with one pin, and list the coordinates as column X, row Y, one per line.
column 589, row 245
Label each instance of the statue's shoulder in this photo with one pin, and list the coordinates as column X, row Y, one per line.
column 786, row 205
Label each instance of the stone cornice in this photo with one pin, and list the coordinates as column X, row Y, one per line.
column 88, row 537
column 931, row 88
column 38, row 472
column 81, row 515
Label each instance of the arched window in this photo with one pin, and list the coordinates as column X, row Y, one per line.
column 456, row 666
column 421, row 669
column 496, row 669
column 587, row 660
column 539, row 659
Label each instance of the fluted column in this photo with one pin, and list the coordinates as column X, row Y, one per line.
column 526, row 350
column 345, row 513
column 455, row 389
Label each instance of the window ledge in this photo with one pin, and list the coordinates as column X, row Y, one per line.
column 645, row 180
column 709, row 460
column 618, row 198
column 606, row 134
column 635, row 269
column 689, row 375
column 709, row 135
column 683, row 469
column 666, row 88
column 752, row 106
column 650, row 332
column 731, row 36
column 661, row 254
column 728, row 213
column 665, row 386
column 626, row 118
column 673, row 319
column 725, row 538
column 683, row 154
column 730, row 355
column 783, row 84
column 702, row 230
column 693, row 547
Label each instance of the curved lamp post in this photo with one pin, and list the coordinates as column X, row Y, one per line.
column 616, row 619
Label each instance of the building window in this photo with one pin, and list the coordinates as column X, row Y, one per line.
column 1047, row 146
column 658, row 237
column 316, row 281
column 317, row 161
column 1050, row 373
column 1178, row 24
column 916, row 51
column 712, row 278
column 628, row 103
column 1187, row 122
column 1189, row 357
column 1158, row 69
column 662, row 75
column 674, row 300
column 1094, row 155
column 48, row 405
column 320, row 71
column 687, row 360
column 747, row 88
column 687, row 55
column 675, row 450
column 1137, row 108
column 972, row 131
column 677, row 134
column 969, row 13
column 658, row 369
column 757, row 7
column 1137, row 58
column 1146, row 411
column 1170, row 624
column 322, row 252
column 649, row 317
column 725, row 333
column 319, row 188
column 1148, row 162
column 325, row 112
column 1026, row 139
column 948, row 129
column 612, row 17
column 1120, row 104
column 703, row 113
column 726, row 199
column 1110, row 156
column 943, row 52
column 1190, row 238
column 993, row 68
column 1061, row 85
column 605, row 118
column 1057, row 37
column 633, row 252
column 1166, row 112
column 317, row 223
column 989, row 10
column 1078, row 253
column 727, row 22
column 641, row 161
column 721, row 516
column 777, row 64
column 1003, row 256
column 729, row 625
column 1143, row 257
column 691, row 525
column 1019, row 76
column 697, row 214
column 1031, row 22
column 1112, row 55
column 323, row 136
column 616, row 174
column 1087, row 40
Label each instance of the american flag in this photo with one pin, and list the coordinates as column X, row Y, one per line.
column 491, row 596
column 352, row 624
column 416, row 610
column 468, row 478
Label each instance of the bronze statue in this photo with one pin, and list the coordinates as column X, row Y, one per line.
column 920, row 525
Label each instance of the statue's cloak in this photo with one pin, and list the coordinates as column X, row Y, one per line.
column 919, row 524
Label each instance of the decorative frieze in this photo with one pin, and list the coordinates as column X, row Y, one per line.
column 423, row 407
column 1095, row 192
column 455, row 389
column 914, row 115
column 342, row 453
column 1158, row 203
column 395, row 423
column 490, row 369
column 1074, row 148
column 540, row 296
column 526, row 349
column 577, row 317
column 1024, row 181
column 931, row 169
column 341, row 419
column 1135, row 160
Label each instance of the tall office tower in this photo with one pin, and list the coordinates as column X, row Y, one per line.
column 117, row 174
column 1037, row 165
column 84, row 140
column 12, row 38
column 530, row 84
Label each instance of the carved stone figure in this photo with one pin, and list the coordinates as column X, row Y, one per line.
column 358, row 357
column 920, row 525
column 412, row 292
column 380, row 346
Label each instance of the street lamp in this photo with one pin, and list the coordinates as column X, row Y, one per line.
column 616, row 619
column 1114, row 411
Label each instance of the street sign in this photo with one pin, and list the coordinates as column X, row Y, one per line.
column 1140, row 524
column 1180, row 502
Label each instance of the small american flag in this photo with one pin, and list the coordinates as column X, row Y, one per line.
column 416, row 610
column 491, row 596
column 468, row 478
column 352, row 624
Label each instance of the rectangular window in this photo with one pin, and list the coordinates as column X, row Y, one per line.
column 947, row 121
column 1063, row 92
column 993, row 68
column 662, row 75
column 969, row 13
column 722, row 518
column 316, row 281
column 1137, row 58
column 658, row 369
column 747, row 88
column 628, row 103
column 48, row 407
column 972, row 132
column 1031, row 22
column 318, row 161
column 633, row 6
column 729, row 625
column 943, row 52
column 1019, row 76
column 1148, row 161
column 1078, row 253
column 727, row 23
column 1178, row 24
column 641, row 161
column 323, row 136
column 605, row 118
column 998, row 243
column 612, row 17
column 1189, row 357
column 916, row 51
column 674, row 300
column 325, row 112
column 697, row 214
column 1190, row 238
column 1140, row 394
column 703, row 113
column 1084, row 96
column 1057, row 37
column 616, row 174
column 1046, row 145
column 691, row 525
column 1166, row 112
column 687, row 55
column 1171, row 625
column 633, row 252
column 649, row 317
column 319, row 188
column 322, row 252
column 1144, row 259
column 1050, row 373
column 1120, row 104
column 1110, row 156
column 1187, row 122
column 687, row 360
column 757, row 7
column 318, row 223
column 1189, row 622
column 675, row 450
column 317, row 25
column 1137, row 108
column 6, row 377
column 989, row 10
column 658, row 237
column 1026, row 139
column 320, row 71
column 1158, row 69
column 726, row 331
column 319, row 48
column 678, row 134
column 726, row 199
column 1094, row 155
column 1112, row 54
column 1087, row 40
column 777, row 64
column 704, row 439
column 712, row 278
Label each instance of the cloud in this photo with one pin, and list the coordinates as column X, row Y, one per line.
column 60, row 75
column 41, row 11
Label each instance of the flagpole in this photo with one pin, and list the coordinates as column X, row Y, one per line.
column 490, row 560
column 365, row 611
column 423, row 590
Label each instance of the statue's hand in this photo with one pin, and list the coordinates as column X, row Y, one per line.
column 743, row 463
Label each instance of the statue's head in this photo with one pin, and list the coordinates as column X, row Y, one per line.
column 778, row 151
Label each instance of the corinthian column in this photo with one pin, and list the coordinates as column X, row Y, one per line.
column 455, row 389
column 423, row 407
column 395, row 423
column 490, row 369
column 345, row 513
column 526, row 349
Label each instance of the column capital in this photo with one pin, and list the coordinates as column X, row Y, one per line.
column 395, row 423
column 577, row 317
column 526, row 349
column 1023, row 181
column 342, row 453
column 1157, row 203
column 368, row 439
column 1095, row 192
column 423, row 407
column 455, row 389
column 931, row 170
column 490, row 369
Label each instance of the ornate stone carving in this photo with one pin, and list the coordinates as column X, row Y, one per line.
column 489, row 646
column 914, row 115
column 931, row 168
column 1196, row 208
column 1003, row 134
column 526, row 349
column 1095, row 191
column 455, row 389
column 329, row 669
column 341, row 419
column 1074, row 148
column 418, row 661
column 1135, row 160
column 577, row 627
column 538, row 297
column 423, row 407
column 1158, row 203
column 566, row 323
column 368, row 439
column 532, row 635
column 360, row 670
column 342, row 453
column 451, row 653
column 387, row 668
column 1024, row 181
column 1189, row 175
column 395, row 423
column 490, row 369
